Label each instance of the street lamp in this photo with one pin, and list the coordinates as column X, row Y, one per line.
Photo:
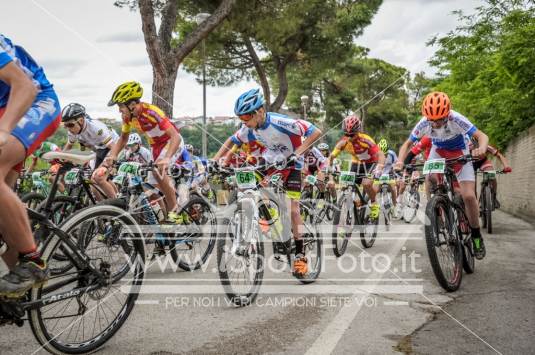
column 304, row 103
column 200, row 18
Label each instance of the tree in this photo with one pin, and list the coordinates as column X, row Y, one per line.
column 166, row 52
column 486, row 66
column 267, row 39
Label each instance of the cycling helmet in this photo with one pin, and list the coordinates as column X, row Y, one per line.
column 436, row 106
column 351, row 124
column 383, row 144
column 126, row 92
column 133, row 138
column 188, row 147
column 323, row 146
column 72, row 111
column 248, row 102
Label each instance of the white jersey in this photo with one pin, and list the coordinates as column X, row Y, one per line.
column 143, row 155
column 390, row 159
column 450, row 136
column 281, row 135
column 313, row 157
column 94, row 135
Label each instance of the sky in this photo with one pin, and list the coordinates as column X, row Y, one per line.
column 87, row 48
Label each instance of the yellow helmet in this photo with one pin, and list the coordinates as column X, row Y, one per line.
column 131, row 90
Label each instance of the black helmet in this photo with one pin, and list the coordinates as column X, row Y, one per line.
column 72, row 111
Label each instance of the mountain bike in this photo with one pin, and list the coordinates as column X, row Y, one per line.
column 352, row 212
column 448, row 237
column 260, row 214
column 189, row 243
column 318, row 198
column 486, row 198
column 78, row 311
column 385, row 183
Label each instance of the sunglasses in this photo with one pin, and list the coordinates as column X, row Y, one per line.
column 69, row 124
column 247, row 116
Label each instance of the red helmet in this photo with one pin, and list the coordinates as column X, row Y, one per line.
column 436, row 106
column 351, row 124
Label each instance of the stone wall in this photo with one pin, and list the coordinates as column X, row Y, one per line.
column 516, row 191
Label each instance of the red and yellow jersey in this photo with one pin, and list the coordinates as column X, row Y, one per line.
column 252, row 149
column 361, row 147
column 151, row 121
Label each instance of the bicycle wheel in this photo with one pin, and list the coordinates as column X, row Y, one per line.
column 409, row 212
column 488, row 208
column 240, row 262
column 343, row 221
column 313, row 251
column 443, row 244
column 32, row 200
column 192, row 248
column 368, row 227
column 85, row 320
column 469, row 262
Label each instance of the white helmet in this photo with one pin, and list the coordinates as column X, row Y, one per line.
column 134, row 138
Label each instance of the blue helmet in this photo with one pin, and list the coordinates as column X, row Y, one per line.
column 248, row 102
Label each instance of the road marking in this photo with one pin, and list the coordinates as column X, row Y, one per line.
column 396, row 303
column 329, row 338
column 147, row 302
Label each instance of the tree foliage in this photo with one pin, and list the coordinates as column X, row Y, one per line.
column 487, row 67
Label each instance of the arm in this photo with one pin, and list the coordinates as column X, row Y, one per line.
column 68, row 146
column 483, row 141
column 21, row 96
column 225, row 148
column 309, row 141
column 174, row 142
column 118, row 146
column 32, row 165
column 505, row 163
column 403, row 154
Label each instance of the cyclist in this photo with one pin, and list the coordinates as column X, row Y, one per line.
column 283, row 140
column 94, row 135
column 447, row 130
column 325, row 151
column 485, row 164
column 390, row 158
column 200, row 170
column 29, row 114
column 366, row 157
column 163, row 136
column 135, row 151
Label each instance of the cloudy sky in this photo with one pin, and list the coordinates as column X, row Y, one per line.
column 88, row 47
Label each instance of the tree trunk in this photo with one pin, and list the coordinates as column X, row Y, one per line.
column 283, row 85
column 163, row 90
column 259, row 71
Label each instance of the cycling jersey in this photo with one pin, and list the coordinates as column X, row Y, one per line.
column 361, row 147
column 280, row 135
column 451, row 136
column 391, row 158
column 18, row 55
column 94, row 135
column 143, row 156
column 151, row 121
column 314, row 158
column 43, row 117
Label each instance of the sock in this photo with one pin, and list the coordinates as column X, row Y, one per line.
column 32, row 255
column 476, row 233
column 299, row 246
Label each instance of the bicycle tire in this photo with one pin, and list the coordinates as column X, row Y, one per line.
column 48, row 339
column 340, row 250
column 436, row 203
column 488, row 208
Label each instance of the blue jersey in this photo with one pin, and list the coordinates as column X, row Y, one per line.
column 18, row 55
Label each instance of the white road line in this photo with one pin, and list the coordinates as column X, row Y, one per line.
column 330, row 337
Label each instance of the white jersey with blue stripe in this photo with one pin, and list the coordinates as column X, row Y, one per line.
column 18, row 55
column 451, row 136
column 281, row 135
column 390, row 159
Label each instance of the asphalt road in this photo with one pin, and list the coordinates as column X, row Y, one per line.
column 375, row 301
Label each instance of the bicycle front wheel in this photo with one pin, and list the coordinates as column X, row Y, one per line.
column 88, row 310
column 443, row 244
